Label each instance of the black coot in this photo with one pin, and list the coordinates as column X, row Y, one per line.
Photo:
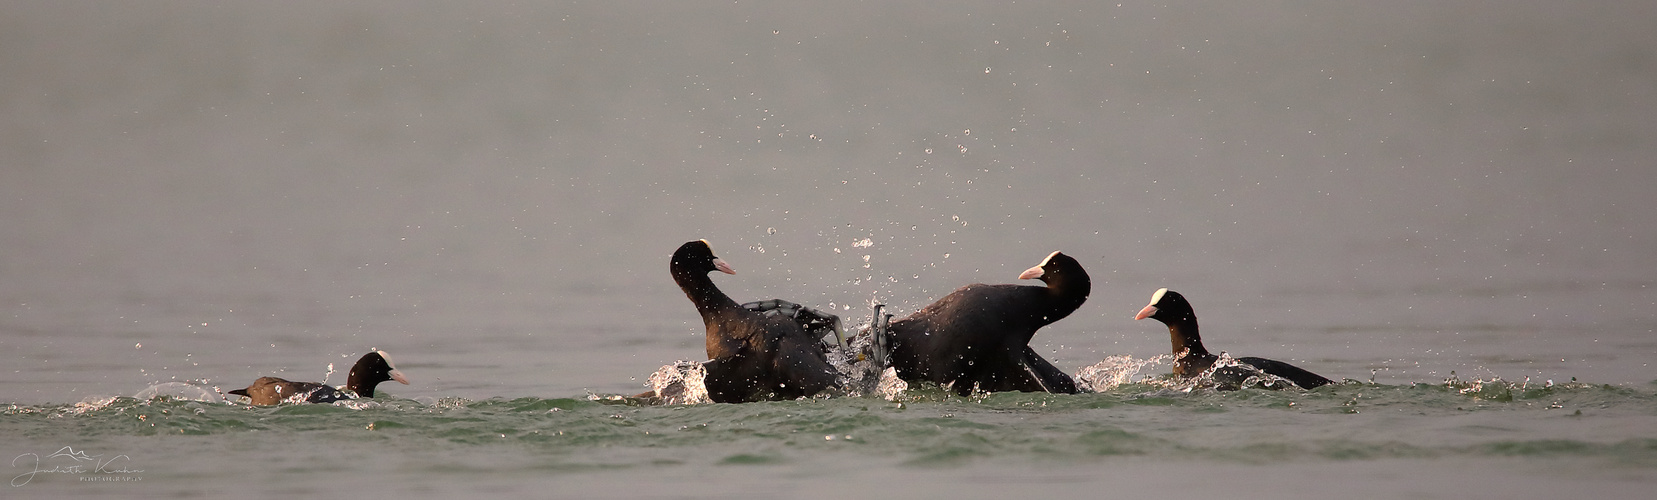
column 751, row 356
column 1191, row 358
column 370, row 370
column 979, row 335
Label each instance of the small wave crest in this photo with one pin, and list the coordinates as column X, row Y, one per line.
column 180, row 391
column 1498, row 389
column 91, row 404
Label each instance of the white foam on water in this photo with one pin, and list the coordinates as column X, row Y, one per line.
column 681, row 383
column 858, row 374
column 90, row 404
column 180, row 390
column 890, row 386
column 1114, row 371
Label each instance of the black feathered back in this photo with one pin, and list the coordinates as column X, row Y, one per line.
column 978, row 336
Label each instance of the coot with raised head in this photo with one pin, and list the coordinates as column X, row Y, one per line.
column 751, row 356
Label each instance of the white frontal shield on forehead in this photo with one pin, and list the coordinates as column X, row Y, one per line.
column 1048, row 259
column 1157, row 297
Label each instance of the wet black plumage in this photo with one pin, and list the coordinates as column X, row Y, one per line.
column 978, row 336
column 752, row 356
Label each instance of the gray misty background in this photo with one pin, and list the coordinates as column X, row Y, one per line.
column 490, row 191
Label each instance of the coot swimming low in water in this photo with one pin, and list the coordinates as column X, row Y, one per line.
column 370, row 370
column 978, row 337
column 1191, row 358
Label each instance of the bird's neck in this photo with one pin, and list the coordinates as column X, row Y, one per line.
column 356, row 384
column 702, row 292
column 1070, row 291
column 1182, row 333
column 712, row 305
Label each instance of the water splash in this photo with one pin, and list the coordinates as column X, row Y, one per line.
column 1228, row 374
column 1114, row 371
column 367, row 404
column 890, row 386
column 858, row 373
column 90, row 404
column 1501, row 390
column 681, row 383
column 180, row 390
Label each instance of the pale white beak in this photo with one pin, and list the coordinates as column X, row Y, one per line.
column 398, row 376
column 720, row 264
column 1032, row 273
